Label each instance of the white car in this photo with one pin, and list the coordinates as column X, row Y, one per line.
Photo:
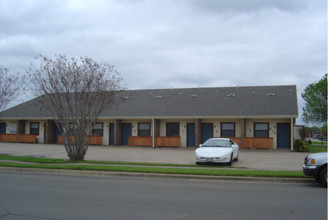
column 217, row 150
column 316, row 165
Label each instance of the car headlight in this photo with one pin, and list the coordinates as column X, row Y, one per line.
column 310, row 161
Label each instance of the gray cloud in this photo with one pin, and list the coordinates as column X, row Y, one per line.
column 239, row 6
column 184, row 43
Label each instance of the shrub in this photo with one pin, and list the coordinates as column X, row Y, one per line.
column 300, row 146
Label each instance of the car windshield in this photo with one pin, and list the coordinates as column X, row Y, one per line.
column 217, row 143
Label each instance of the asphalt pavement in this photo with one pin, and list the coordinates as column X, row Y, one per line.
column 260, row 159
column 34, row 196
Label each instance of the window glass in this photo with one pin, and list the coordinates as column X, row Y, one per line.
column 227, row 129
column 228, row 126
column 144, row 129
column 262, row 127
column 34, row 128
column 217, row 143
column 172, row 130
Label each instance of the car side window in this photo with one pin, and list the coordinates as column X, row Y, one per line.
column 231, row 142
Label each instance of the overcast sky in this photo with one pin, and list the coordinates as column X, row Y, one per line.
column 175, row 43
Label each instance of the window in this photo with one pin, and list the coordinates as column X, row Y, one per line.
column 261, row 130
column 34, row 128
column 97, row 129
column 72, row 128
column 172, row 129
column 12, row 128
column 144, row 129
column 228, row 129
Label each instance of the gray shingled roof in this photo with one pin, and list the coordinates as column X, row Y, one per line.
column 259, row 101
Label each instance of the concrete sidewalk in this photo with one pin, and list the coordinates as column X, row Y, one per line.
column 252, row 159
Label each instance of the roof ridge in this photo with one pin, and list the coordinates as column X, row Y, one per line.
column 211, row 87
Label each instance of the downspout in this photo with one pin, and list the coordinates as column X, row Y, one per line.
column 153, row 132
column 292, row 134
column 243, row 133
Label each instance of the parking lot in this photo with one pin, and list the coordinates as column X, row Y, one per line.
column 248, row 158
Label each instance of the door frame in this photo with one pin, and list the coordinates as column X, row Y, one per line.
column 3, row 125
column 123, row 124
column 111, row 134
column 202, row 128
column 189, row 132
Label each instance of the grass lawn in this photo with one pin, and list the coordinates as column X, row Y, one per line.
column 62, row 161
column 316, row 147
column 46, row 163
column 319, row 142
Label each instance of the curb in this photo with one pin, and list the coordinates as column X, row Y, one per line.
column 156, row 175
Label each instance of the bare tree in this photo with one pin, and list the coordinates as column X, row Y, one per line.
column 10, row 87
column 77, row 91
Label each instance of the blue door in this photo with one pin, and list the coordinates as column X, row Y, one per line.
column 111, row 134
column 283, row 135
column 126, row 133
column 2, row 128
column 190, row 134
column 207, row 131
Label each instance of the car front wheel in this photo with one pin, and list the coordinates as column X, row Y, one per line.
column 231, row 159
column 237, row 157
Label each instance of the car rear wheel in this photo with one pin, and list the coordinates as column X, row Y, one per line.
column 323, row 177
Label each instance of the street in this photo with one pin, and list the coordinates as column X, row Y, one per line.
column 43, row 196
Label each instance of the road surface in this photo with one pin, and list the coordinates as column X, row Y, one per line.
column 42, row 196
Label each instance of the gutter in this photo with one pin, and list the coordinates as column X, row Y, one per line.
column 156, row 175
